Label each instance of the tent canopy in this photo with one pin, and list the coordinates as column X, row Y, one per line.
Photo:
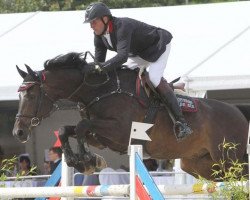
column 210, row 48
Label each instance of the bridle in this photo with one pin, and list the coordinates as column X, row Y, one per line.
column 34, row 119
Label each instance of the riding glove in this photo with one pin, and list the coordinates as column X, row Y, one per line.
column 95, row 67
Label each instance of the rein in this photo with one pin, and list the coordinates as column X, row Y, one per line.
column 35, row 120
column 84, row 108
column 88, row 84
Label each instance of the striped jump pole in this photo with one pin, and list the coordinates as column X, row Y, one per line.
column 69, row 191
column 141, row 182
column 197, row 188
column 156, row 192
column 110, row 190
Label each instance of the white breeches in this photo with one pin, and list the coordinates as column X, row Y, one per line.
column 155, row 69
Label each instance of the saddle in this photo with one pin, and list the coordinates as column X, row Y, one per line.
column 186, row 103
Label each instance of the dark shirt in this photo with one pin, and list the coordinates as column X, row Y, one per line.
column 54, row 165
column 131, row 37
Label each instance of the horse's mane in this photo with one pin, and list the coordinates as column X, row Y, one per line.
column 69, row 60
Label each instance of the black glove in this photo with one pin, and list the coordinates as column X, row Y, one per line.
column 94, row 67
column 89, row 68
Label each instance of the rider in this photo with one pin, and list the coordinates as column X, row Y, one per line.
column 144, row 44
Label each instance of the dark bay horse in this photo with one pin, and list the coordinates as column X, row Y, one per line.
column 111, row 104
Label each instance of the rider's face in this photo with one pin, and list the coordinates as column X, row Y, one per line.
column 97, row 25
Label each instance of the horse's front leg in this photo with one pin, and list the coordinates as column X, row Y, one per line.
column 71, row 159
column 89, row 161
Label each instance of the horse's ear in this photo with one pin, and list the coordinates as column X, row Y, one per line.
column 32, row 73
column 22, row 73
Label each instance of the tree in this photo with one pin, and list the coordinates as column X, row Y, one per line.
column 16, row 6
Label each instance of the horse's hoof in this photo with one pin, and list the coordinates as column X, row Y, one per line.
column 83, row 168
column 100, row 162
column 89, row 170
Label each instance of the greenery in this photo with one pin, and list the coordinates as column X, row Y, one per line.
column 17, row 6
column 231, row 175
column 7, row 167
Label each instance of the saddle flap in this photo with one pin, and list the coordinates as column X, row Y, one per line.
column 186, row 103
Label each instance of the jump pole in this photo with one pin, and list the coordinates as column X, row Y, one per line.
column 132, row 150
column 67, row 175
column 69, row 191
column 106, row 190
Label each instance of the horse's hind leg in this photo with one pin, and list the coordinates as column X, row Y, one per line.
column 200, row 165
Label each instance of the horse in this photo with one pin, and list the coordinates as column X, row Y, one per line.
column 109, row 103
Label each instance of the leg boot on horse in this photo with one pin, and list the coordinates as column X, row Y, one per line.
column 181, row 128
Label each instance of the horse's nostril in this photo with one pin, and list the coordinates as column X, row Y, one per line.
column 20, row 133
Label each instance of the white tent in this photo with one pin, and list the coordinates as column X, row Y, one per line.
column 210, row 48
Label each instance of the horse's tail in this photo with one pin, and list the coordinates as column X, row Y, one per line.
column 245, row 110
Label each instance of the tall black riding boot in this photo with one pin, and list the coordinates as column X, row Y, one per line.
column 181, row 128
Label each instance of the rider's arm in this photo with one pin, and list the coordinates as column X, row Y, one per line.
column 123, row 37
column 100, row 49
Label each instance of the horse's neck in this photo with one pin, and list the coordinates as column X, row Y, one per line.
column 62, row 83
column 70, row 83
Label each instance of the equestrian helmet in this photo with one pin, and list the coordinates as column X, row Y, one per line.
column 96, row 10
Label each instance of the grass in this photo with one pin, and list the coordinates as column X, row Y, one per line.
column 228, row 170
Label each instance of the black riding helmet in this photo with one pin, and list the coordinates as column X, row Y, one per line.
column 96, row 10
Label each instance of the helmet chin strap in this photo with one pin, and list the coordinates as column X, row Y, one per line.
column 105, row 26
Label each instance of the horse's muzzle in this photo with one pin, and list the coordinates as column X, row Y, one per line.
column 22, row 135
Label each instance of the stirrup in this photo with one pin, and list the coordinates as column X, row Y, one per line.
column 181, row 130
